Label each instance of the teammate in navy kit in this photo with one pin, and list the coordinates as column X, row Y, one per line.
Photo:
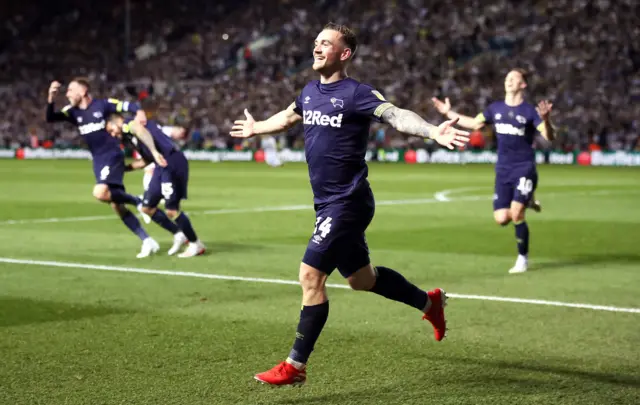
column 336, row 112
column 516, row 123
column 169, row 180
column 89, row 115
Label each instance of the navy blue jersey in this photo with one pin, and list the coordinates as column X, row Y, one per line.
column 162, row 142
column 515, row 128
column 336, row 119
column 91, row 123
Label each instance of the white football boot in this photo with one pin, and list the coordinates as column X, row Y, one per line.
column 194, row 249
column 178, row 240
column 149, row 247
column 520, row 266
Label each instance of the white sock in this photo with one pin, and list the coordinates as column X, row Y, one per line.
column 296, row 364
column 146, row 180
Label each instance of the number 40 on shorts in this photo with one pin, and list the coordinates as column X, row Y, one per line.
column 525, row 186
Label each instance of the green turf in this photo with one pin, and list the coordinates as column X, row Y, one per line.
column 83, row 336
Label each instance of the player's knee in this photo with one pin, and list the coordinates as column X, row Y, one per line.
column 311, row 279
column 101, row 192
column 363, row 279
column 148, row 210
column 502, row 217
column 517, row 213
column 172, row 214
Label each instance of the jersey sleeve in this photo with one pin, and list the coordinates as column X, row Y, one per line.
column 486, row 116
column 64, row 115
column 114, row 105
column 298, row 108
column 538, row 124
column 370, row 102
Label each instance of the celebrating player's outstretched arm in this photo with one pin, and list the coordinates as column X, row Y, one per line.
column 408, row 122
column 546, row 130
column 279, row 122
column 464, row 121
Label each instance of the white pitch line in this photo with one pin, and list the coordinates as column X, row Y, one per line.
column 441, row 196
column 291, row 282
column 232, row 211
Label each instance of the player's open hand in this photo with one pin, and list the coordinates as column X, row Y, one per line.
column 243, row 128
column 442, row 107
column 160, row 160
column 53, row 89
column 544, row 109
column 449, row 136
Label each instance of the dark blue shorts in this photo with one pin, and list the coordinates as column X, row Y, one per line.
column 338, row 239
column 517, row 183
column 169, row 183
column 109, row 169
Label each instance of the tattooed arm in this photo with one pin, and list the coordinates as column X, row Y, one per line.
column 410, row 123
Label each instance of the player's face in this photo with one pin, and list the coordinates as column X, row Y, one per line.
column 329, row 51
column 115, row 129
column 514, row 82
column 75, row 92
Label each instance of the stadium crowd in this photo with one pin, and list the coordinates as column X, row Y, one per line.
column 199, row 64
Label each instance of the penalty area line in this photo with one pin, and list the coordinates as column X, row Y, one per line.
column 44, row 263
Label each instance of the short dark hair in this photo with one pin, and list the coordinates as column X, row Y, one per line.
column 348, row 36
column 83, row 81
column 113, row 117
column 523, row 73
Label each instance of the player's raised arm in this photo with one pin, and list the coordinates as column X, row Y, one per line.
column 53, row 115
column 140, row 132
column 464, row 121
column 279, row 122
column 545, row 127
column 410, row 123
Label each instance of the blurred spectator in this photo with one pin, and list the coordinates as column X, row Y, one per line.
column 199, row 64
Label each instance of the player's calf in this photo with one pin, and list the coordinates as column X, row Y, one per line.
column 149, row 245
column 196, row 247
column 313, row 315
column 392, row 285
column 363, row 279
column 115, row 194
column 517, row 212
column 159, row 217
column 313, row 283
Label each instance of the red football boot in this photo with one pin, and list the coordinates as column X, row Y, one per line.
column 435, row 314
column 282, row 374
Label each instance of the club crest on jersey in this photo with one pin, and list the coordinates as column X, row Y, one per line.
column 97, row 114
column 337, row 102
column 317, row 118
column 79, row 119
column 521, row 119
